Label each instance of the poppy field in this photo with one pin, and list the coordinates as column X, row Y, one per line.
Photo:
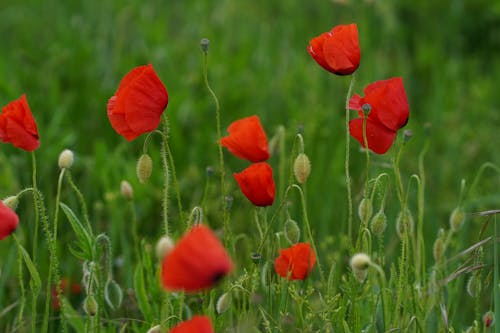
column 232, row 166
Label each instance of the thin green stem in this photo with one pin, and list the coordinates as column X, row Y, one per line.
column 36, row 204
column 21, row 285
column 81, row 199
column 166, row 175
column 347, row 154
column 420, row 216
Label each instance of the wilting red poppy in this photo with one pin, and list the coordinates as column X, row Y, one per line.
column 197, row 324
column 247, row 139
column 295, row 262
column 337, row 50
column 389, row 112
column 197, row 262
column 17, row 125
column 257, row 184
column 8, row 221
column 138, row 103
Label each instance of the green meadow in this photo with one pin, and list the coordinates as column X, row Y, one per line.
column 68, row 57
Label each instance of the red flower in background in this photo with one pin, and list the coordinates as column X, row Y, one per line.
column 197, row 262
column 337, row 50
column 17, row 125
column 389, row 112
column 247, row 139
column 138, row 103
column 257, row 184
column 8, row 221
column 295, row 262
column 197, row 324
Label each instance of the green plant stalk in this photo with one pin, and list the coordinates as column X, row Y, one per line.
column 21, row 285
column 420, row 217
column 81, row 200
column 346, row 165
column 174, row 177
column 36, row 204
column 166, row 174
column 227, row 230
column 496, row 292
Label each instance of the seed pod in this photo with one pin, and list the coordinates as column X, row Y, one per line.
column 378, row 223
column 292, row 231
column 90, row 305
column 223, row 303
column 365, row 210
column 113, row 294
column 404, row 222
column 457, row 219
column 302, row 168
column 66, row 159
column 126, row 190
column 144, row 168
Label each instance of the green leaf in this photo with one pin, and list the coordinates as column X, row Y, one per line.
column 141, row 294
column 84, row 238
column 73, row 317
column 35, row 277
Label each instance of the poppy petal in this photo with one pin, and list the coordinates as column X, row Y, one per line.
column 257, row 184
column 341, row 51
column 295, row 262
column 8, row 221
column 198, row 324
column 17, row 125
column 379, row 137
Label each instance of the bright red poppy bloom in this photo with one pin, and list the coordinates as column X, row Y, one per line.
column 197, row 324
column 17, row 125
column 389, row 111
column 295, row 262
column 337, row 50
column 247, row 139
column 8, row 221
column 197, row 262
column 138, row 104
column 257, row 184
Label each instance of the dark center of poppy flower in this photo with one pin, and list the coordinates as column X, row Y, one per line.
column 218, row 276
column 366, row 108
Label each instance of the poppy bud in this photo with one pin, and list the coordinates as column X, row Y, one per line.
column 90, row 305
column 11, row 202
column 126, row 189
column 474, row 285
column 359, row 265
column 113, row 294
column 223, row 303
column 292, row 231
column 439, row 246
column 365, row 210
column 302, row 168
column 66, row 159
column 164, row 246
column 404, row 222
column 204, row 43
column 489, row 319
column 155, row 329
column 378, row 223
column 144, row 168
column 457, row 219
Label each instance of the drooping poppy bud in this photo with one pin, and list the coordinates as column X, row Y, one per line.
column 337, row 50
column 389, row 112
column 144, row 168
column 257, row 184
column 66, row 159
column 138, row 103
column 302, row 168
column 360, row 262
column 8, row 221
column 295, row 262
column 197, row 262
column 247, row 139
column 198, row 324
column 17, row 125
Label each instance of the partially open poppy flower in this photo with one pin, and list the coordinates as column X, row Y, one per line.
column 138, row 104
column 17, row 125
column 337, row 50
column 388, row 112
column 197, row 262
column 197, row 324
column 295, row 262
column 257, row 184
column 247, row 139
column 8, row 221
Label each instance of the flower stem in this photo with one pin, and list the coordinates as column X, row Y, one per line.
column 35, row 203
column 166, row 175
column 347, row 153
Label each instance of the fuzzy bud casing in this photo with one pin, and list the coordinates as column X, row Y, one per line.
column 292, row 231
column 365, row 210
column 126, row 190
column 164, row 246
column 11, row 202
column 302, row 168
column 144, row 168
column 359, row 265
column 457, row 219
column 113, row 294
column 66, row 159
column 378, row 223
column 90, row 305
column 404, row 222
column 223, row 303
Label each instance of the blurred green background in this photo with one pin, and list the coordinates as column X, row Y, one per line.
column 69, row 56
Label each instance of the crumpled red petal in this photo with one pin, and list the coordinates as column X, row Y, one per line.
column 379, row 137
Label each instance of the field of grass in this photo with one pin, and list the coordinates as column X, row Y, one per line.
column 69, row 57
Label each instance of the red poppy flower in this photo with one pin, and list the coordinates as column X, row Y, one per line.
column 247, row 139
column 295, row 262
column 17, row 125
column 337, row 50
column 257, row 184
column 138, row 103
column 8, row 221
column 197, row 262
column 197, row 324
column 389, row 112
